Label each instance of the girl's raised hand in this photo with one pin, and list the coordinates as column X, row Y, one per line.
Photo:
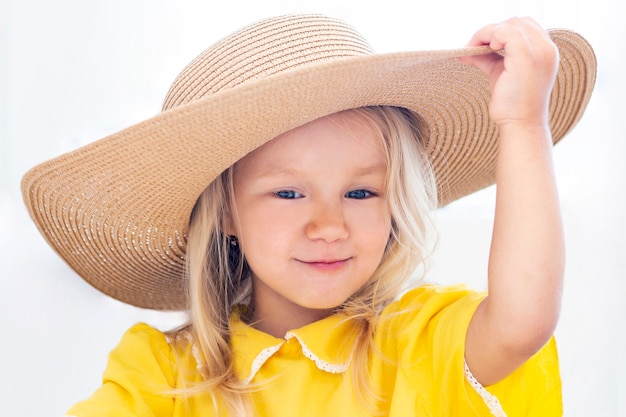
column 521, row 78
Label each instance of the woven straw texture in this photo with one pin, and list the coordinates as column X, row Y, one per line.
column 117, row 210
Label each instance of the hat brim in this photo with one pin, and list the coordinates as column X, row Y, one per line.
column 117, row 210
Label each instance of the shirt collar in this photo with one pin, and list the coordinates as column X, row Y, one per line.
column 327, row 342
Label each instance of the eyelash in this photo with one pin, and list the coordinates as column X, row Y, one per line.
column 365, row 194
column 290, row 194
column 282, row 194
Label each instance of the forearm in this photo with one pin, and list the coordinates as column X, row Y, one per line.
column 526, row 261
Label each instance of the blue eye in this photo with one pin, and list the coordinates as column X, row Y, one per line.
column 359, row 194
column 288, row 194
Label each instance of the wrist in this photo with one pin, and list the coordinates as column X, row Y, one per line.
column 524, row 130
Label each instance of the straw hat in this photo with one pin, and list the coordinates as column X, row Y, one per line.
column 117, row 210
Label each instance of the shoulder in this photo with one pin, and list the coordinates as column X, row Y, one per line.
column 142, row 336
column 143, row 331
column 139, row 370
column 142, row 347
column 429, row 318
column 431, row 300
column 169, row 350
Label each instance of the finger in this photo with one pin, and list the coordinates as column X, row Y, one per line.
column 522, row 41
column 482, row 36
column 526, row 44
column 511, row 37
column 541, row 45
column 507, row 36
column 535, row 28
column 514, row 33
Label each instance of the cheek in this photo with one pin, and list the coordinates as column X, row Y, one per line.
column 384, row 230
column 376, row 218
column 266, row 228
column 373, row 228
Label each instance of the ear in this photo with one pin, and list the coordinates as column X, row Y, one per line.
column 228, row 223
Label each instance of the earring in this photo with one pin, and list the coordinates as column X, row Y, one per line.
column 232, row 241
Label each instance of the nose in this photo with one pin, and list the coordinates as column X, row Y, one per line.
column 327, row 222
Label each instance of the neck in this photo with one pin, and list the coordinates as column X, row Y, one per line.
column 277, row 323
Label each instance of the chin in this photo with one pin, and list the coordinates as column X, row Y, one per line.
column 324, row 305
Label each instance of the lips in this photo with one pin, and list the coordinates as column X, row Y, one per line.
column 326, row 264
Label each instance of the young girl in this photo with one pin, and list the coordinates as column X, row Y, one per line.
column 283, row 198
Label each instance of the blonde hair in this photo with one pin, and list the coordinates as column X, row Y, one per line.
column 218, row 276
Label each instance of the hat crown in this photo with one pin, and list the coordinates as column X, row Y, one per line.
column 263, row 49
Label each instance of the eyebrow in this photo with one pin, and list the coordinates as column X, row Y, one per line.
column 360, row 171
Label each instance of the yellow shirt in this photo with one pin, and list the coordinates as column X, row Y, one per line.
column 421, row 369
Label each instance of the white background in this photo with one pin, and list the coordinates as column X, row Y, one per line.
column 73, row 71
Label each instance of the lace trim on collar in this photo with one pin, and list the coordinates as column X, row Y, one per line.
column 260, row 359
column 320, row 363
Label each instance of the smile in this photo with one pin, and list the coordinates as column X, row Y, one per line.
column 327, row 265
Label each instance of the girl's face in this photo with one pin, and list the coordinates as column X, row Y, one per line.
column 311, row 218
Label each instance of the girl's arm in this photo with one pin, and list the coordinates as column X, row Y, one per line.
column 526, row 260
